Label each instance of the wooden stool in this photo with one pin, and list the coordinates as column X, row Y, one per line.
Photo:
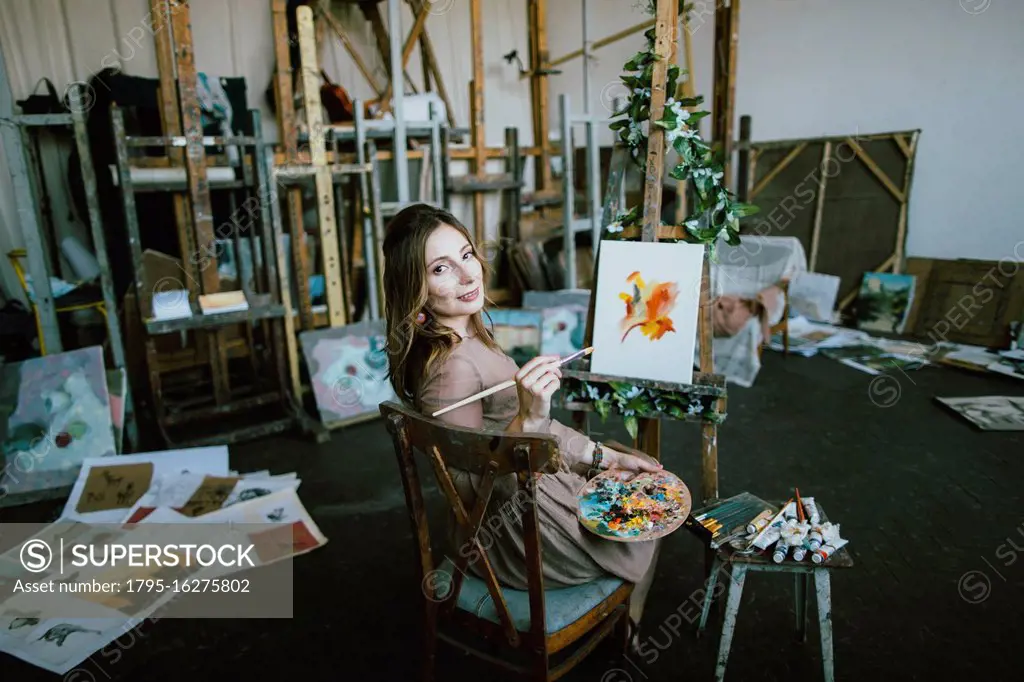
column 803, row 571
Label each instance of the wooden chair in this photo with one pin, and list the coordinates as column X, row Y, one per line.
column 534, row 624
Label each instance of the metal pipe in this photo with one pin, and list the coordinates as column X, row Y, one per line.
column 369, row 255
column 401, row 161
column 568, row 194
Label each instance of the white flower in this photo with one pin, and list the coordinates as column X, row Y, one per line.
column 615, row 227
column 593, row 393
column 692, row 224
column 632, row 392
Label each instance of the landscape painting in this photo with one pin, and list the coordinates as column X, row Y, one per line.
column 348, row 368
column 645, row 313
column 517, row 332
column 884, row 301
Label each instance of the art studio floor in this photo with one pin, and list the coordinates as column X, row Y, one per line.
column 923, row 498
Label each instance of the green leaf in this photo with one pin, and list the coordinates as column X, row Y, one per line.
column 743, row 210
column 631, row 425
column 679, row 172
column 602, row 407
column 619, row 125
column 619, row 386
column 732, row 238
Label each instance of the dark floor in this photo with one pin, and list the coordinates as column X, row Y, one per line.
column 932, row 509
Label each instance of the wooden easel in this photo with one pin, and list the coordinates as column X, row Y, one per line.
column 706, row 386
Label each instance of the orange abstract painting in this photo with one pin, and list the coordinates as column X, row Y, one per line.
column 648, row 306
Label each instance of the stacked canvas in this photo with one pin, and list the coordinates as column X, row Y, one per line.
column 119, row 500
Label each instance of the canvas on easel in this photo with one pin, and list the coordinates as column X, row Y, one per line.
column 645, row 313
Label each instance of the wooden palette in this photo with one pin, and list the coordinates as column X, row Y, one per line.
column 648, row 507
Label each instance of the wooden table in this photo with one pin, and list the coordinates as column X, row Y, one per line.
column 803, row 571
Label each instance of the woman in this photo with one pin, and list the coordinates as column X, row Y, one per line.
column 440, row 351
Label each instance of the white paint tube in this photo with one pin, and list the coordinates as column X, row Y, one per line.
column 769, row 537
column 799, row 552
column 781, row 550
column 826, row 551
column 814, row 539
column 812, row 510
column 790, row 511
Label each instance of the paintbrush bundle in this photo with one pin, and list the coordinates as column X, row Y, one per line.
column 731, row 518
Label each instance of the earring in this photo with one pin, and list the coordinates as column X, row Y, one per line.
column 421, row 318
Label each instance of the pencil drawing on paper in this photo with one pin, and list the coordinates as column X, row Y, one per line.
column 648, row 306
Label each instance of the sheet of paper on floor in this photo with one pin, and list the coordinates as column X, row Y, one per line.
column 199, row 494
column 108, row 488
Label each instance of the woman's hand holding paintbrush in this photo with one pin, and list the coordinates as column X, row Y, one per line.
column 536, row 382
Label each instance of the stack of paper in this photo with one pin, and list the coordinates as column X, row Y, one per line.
column 121, row 500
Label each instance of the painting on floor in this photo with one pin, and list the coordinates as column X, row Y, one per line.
column 884, row 301
column 348, row 367
column 61, row 415
column 645, row 312
column 989, row 412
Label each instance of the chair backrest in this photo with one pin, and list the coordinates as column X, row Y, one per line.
column 488, row 454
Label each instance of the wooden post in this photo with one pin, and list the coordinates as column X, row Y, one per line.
column 476, row 95
column 727, row 17
column 170, row 120
column 289, row 136
column 667, row 14
column 538, row 20
column 328, row 242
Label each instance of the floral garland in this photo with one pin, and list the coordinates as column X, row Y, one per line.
column 716, row 213
column 634, row 402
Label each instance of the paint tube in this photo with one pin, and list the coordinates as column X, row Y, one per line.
column 814, row 539
column 759, row 522
column 826, row 551
column 790, row 511
column 769, row 537
column 799, row 552
column 812, row 510
column 781, row 550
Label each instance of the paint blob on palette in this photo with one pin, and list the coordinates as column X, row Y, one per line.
column 647, row 507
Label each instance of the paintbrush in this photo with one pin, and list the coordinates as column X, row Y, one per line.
column 770, row 523
column 799, row 506
column 508, row 384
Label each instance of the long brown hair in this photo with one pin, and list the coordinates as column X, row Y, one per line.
column 414, row 349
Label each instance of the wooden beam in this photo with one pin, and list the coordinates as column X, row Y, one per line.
column 476, row 98
column 876, row 170
column 819, row 208
column 688, row 90
column 339, row 30
column 726, row 38
column 328, row 241
column 908, row 178
column 603, row 42
column 288, row 131
column 430, row 61
column 410, row 42
column 538, row 37
column 170, row 120
column 778, row 168
column 663, row 48
column 381, row 34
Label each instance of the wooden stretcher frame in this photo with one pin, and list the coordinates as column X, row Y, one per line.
column 758, row 181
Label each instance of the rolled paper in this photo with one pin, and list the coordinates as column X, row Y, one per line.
column 811, row 509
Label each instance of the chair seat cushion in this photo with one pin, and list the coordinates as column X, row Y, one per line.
column 562, row 606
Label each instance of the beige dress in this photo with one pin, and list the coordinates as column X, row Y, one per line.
column 571, row 554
